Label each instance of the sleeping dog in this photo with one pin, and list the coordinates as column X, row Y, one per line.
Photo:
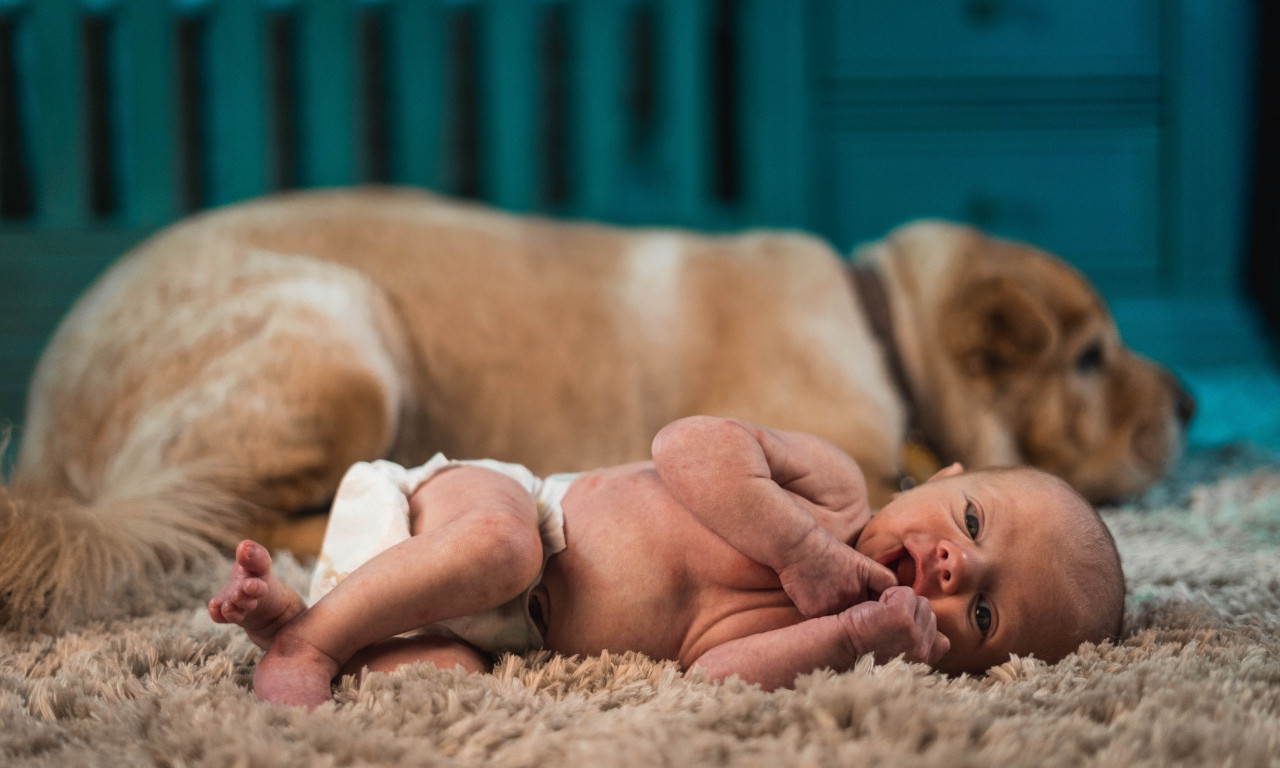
column 220, row 378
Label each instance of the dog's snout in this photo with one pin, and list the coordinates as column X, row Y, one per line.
column 1183, row 403
column 1186, row 406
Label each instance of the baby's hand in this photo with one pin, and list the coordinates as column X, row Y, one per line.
column 826, row 576
column 901, row 623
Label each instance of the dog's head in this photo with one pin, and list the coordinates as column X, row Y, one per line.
column 1012, row 357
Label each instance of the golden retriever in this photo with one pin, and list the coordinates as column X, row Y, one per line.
column 220, row 378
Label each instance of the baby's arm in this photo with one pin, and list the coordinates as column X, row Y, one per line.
column 787, row 500
column 900, row 623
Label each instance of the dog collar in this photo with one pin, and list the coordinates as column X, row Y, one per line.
column 918, row 460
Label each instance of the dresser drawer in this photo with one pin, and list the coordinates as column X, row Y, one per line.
column 1090, row 195
column 989, row 38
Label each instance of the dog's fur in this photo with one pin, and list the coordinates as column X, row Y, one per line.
column 225, row 373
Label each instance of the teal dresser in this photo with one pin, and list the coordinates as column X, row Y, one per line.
column 1113, row 133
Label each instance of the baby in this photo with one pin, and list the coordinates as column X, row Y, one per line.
column 738, row 550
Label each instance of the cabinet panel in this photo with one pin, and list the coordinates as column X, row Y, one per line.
column 1086, row 194
column 990, row 38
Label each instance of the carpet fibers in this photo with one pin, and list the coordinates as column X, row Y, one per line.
column 1195, row 680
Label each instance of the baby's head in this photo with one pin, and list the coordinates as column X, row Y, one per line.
column 1011, row 560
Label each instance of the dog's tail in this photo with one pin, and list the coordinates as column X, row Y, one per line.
column 65, row 559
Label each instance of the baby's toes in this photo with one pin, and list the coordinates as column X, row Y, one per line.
column 215, row 611
column 235, row 611
column 250, row 589
column 224, row 610
column 253, row 558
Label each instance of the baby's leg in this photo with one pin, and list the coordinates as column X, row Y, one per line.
column 254, row 598
column 439, row 652
column 475, row 545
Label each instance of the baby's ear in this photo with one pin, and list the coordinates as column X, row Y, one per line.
column 948, row 471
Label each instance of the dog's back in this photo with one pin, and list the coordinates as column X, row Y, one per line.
column 232, row 367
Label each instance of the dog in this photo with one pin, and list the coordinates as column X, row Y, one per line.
column 220, row 378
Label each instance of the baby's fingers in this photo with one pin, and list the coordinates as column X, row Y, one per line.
column 924, row 613
column 936, row 644
column 930, row 643
column 899, row 597
column 940, row 647
column 877, row 578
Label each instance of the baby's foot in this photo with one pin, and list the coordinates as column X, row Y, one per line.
column 254, row 598
column 294, row 672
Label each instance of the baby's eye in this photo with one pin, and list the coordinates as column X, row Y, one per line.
column 982, row 616
column 971, row 521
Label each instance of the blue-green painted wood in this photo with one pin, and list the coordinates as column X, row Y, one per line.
column 58, row 123
column 418, row 89
column 1210, row 55
column 776, row 122
column 959, row 39
column 149, row 164
column 684, row 96
column 329, row 110
column 239, row 163
column 1085, row 193
column 598, row 128
column 1191, row 332
column 510, row 151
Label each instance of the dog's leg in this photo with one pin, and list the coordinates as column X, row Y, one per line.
column 171, row 413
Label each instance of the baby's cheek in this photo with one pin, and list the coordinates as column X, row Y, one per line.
column 950, row 622
column 865, row 541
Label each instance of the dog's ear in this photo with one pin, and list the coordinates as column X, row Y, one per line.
column 995, row 325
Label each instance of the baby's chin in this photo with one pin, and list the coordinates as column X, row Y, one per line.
column 950, row 665
column 958, row 662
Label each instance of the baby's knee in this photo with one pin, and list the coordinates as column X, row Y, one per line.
column 491, row 511
column 513, row 548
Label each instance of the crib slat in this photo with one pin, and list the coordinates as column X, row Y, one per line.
column 509, row 61
column 238, row 161
column 684, row 96
column 150, row 188
column 328, row 110
column 59, row 129
column 417, row 91
column 771, row 60
column 598, row 50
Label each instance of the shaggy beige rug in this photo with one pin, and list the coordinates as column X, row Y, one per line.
column 1195, row 681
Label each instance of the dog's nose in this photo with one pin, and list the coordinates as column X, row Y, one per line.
column 1184, row 403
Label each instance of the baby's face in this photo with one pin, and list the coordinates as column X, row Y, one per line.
column 984, row 549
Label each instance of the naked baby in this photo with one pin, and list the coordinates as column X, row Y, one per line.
column 739, row 550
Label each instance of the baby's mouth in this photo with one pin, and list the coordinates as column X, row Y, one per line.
column 903, row 567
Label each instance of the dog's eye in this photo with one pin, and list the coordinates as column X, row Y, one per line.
column 1090, row 360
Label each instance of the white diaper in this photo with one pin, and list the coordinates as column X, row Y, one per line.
column 371, row 513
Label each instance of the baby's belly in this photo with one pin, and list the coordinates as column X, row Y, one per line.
column 591, row 609
column 641, row 574
column 725, row 615
column 663, row 618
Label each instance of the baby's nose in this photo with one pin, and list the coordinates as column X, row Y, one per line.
column 954, row 567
